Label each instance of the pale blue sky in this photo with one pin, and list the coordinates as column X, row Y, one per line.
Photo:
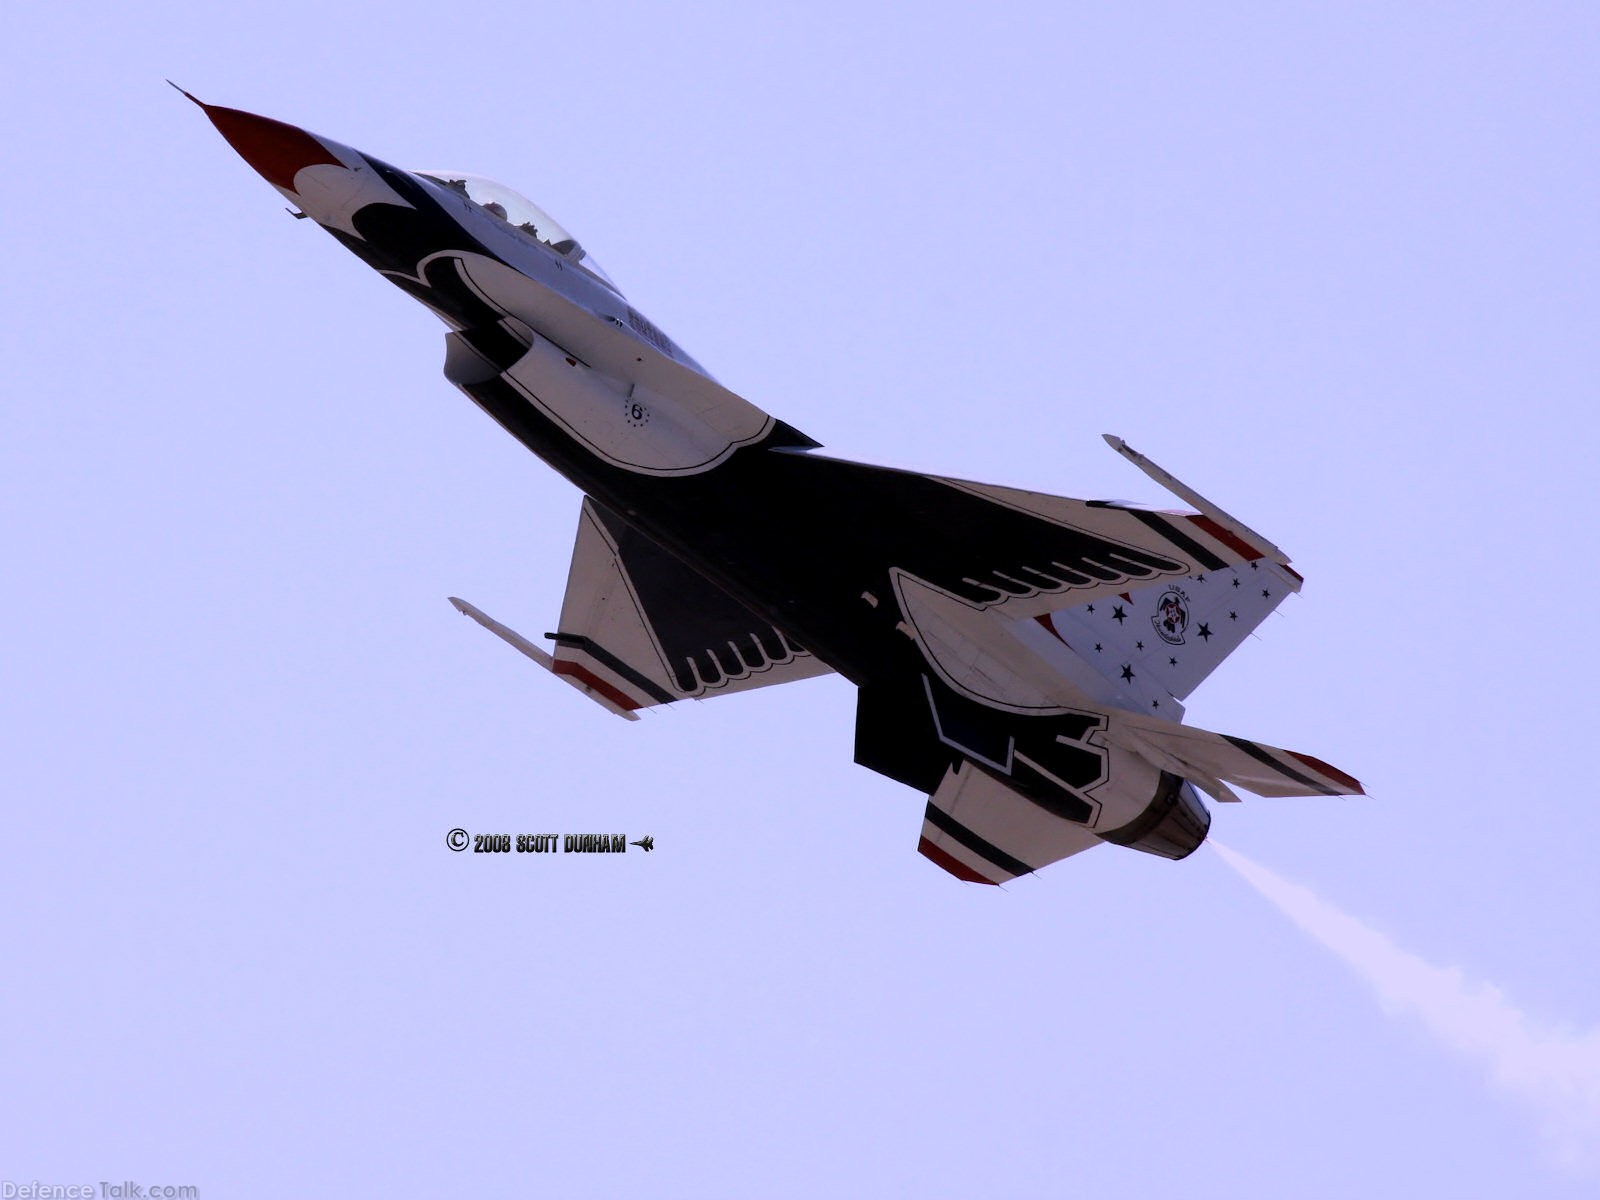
column 1335, row 266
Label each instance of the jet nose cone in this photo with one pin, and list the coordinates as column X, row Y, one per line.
column 277, row 151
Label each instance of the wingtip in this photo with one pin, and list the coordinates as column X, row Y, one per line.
column 1250, row 543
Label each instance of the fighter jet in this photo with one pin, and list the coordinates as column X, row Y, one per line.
column 1020, row 658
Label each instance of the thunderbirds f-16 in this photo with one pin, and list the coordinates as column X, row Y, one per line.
column 1021, row 658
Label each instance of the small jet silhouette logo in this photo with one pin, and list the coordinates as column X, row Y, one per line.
column 646, row 844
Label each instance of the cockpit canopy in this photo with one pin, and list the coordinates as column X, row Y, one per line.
column 521, row 214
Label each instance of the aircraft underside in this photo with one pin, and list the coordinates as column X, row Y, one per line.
column 778, row 557
column 1020, row 658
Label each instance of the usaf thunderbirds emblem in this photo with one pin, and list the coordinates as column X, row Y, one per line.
column 1172, row 616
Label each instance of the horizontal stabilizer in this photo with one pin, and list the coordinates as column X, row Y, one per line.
column 982, row 831
column 1212, row 760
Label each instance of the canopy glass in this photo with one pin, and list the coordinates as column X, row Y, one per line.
column 521, row 214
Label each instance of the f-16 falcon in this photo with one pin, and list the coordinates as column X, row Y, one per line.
column 1020, row 658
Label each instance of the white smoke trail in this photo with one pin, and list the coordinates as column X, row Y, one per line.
column 1555, row 1072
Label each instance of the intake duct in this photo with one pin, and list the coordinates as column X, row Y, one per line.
column 1173, row 826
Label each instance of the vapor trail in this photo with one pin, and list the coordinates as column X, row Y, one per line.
column 1555, row 1072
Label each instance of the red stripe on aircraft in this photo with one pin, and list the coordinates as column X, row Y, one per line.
column 1351, row 785
column 954, row 865
column 1044, row 619
column 1226, row 536
column 590, row 679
